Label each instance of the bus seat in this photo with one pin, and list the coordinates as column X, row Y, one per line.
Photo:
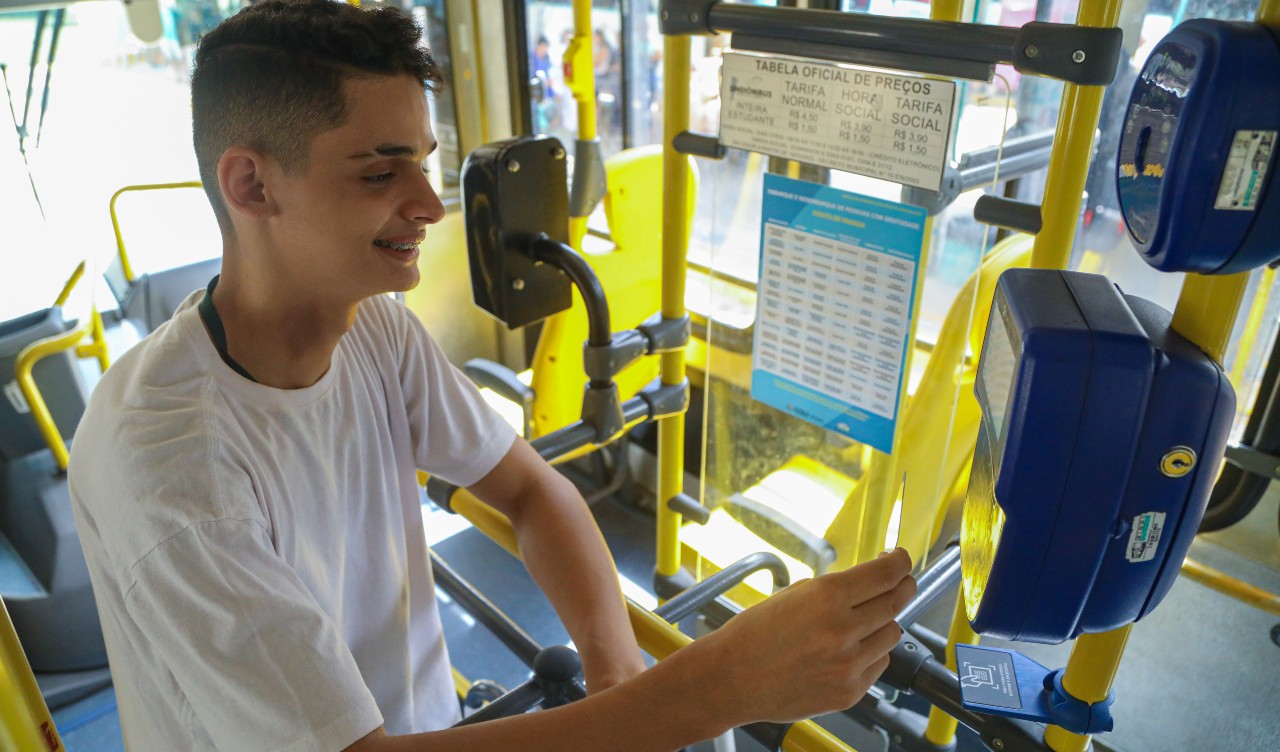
column 823, row 506
column 629, row 265
column 154, row 296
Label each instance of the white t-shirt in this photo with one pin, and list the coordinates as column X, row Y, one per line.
column 257, row 554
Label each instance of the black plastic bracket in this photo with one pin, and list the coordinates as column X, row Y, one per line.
column 906, row 728
column 770, row 735
column 1009, row 214
column 441, row 493
column 602, row 410
column 685, row 16
column 665, row 334
column 699, row 145
column 688, row 507
column 905, row 661
column 1079, row 54
column 665, row 400
column 603, row 362
column 588, row 186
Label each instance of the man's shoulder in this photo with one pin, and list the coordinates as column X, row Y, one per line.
column 147, row 459
column 153, row 401
column 166, row 364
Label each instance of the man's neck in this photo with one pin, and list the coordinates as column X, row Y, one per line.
column 284, row 338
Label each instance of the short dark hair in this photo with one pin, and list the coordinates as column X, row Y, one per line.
column 270, row 77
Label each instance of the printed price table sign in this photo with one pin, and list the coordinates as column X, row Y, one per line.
column 865, row 121
column 838, row 273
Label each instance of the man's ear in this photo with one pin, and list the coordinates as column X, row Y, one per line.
column 242, row 176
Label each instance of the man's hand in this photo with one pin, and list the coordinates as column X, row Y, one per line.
column 813, row 648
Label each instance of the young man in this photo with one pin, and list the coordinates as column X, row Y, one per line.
column 244, row 480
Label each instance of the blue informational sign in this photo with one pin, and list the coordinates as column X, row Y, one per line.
column 838, row 276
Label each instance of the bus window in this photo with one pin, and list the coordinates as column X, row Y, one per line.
column 550, row 30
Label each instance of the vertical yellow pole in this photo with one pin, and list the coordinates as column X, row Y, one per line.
column 25, row 723
column 1069, row 160
column 1269, row 13
column 1091, row 669
column 1207, row 310
column 581, row 58
column 675, row 245
column 942, row 727
column 580, row 78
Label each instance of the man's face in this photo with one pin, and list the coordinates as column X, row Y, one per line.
column 348, row 227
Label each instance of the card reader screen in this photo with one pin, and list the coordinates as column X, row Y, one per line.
column 999, row 365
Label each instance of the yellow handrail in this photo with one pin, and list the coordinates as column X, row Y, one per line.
column 654, row 634
column 69, row 286
column 27, row 359
column 115, row 221
column 40, row 349
column 25, row 723
column 580, row 80
column 1228, row 585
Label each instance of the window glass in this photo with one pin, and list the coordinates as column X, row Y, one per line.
column 105, row 110
column 554, row 110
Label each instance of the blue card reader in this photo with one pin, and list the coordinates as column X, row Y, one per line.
column 1101, row 437
column 1196, row 169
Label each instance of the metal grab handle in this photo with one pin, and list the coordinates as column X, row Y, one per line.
column 473, row 602
column 722, row 582
column 932, row 584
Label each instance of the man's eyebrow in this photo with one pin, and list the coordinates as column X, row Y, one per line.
column 391, row 150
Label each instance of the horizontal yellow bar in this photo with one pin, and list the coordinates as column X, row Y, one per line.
column 1224, row 583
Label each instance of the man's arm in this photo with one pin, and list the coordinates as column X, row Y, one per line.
column 562, row 548
column 813, row 648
